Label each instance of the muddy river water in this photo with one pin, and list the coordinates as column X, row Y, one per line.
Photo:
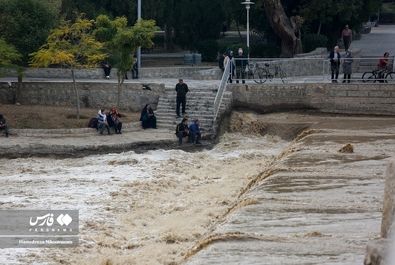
column 274, row 190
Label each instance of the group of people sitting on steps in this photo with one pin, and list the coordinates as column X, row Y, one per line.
column 191, row 131
column 111, row 120
column 107, row 121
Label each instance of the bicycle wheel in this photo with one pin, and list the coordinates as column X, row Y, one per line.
column 369, row 77
column 389, row 78
column 260, row 76
column 283, row 76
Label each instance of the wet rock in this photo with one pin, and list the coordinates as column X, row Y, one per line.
column 389, row 200
column 377, row 250
column 348, row 148
column 376, row 253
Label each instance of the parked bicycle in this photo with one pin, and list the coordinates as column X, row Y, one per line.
column 261, row 73
column 378, row 75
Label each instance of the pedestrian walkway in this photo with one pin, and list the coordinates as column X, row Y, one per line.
column 380, row 40
column 77, row 144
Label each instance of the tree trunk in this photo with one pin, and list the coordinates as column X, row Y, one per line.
column 168, row 38
column 288, row 30
column 238, row 30
column 319, row 28
column 19, row 86
column 121, row 79
column 77, row 94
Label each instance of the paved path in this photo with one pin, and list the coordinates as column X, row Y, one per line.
column 380, row 40
column 79, row 145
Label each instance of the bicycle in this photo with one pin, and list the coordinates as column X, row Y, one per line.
column 260, row 74
column 378, row 75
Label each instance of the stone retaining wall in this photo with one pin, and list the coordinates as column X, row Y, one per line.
column 197, row 73
column 94, row 95
column 370, row 99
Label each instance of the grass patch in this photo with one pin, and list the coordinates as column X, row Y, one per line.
column 52, row 117
column 388, row 8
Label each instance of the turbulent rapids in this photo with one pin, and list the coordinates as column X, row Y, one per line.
column 274, row 190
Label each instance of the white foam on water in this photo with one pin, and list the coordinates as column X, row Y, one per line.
column 86, row 183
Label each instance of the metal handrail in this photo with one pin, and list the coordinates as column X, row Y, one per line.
column 221, row 90
column 315, row 68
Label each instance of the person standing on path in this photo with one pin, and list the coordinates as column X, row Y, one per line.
column 334, row 57
column 229, row 59
column 3, row 125
column 347, row 37
column 182, row 90
column 347, row 66
column 241, row 63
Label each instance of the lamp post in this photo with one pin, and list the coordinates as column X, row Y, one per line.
column 248, row 4
column 139, row 48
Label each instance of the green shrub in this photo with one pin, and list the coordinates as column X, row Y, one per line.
column 387, row 18
column 312, row 41
column 208, row 49
column 258, row 50
column 262, row 50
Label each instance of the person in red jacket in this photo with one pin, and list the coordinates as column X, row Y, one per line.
column 383, row 65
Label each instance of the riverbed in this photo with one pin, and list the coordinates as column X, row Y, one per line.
column 274, row 190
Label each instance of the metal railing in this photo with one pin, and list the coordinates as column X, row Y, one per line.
column 309, row 70
column 221, row 90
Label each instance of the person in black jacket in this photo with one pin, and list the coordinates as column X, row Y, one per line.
column 335, row 57
column 182, row 90
column 3, row 125
column 147, row 117
column 107, row 69
column 241, row 63
column 182, row 130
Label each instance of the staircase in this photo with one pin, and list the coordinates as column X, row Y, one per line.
column 200, row 105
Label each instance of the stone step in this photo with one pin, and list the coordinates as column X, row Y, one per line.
column 172, row 124
column 189, row 100
column 172, row 108
column 173, row 128
column 194, row 92
column 190, row 118
column 190, row 96
column 171, row 111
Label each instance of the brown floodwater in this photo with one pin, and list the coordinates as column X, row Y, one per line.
column 274, row 190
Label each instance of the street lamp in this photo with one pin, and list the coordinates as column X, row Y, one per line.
column 248, row 4
column 139, row 48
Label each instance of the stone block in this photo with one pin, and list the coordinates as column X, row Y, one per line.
column 389, row 200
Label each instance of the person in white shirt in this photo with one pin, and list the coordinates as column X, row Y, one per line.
column 335, row 57
column 102, row 122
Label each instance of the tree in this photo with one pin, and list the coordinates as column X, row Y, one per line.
column 122, row 41
column 8, row 54
column 26, row 24
column 93, row 8
column 329, row 17
column 9, row 58
column 71, row 45
column 196, row 21
column 286, row 28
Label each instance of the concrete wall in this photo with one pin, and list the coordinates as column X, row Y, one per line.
column 198, row 73
column 95, row 95
column 375, row 99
